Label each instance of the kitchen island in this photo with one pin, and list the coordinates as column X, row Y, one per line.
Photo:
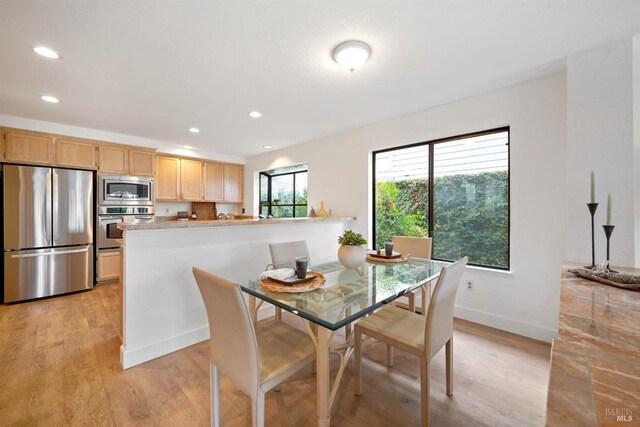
column 162, row 310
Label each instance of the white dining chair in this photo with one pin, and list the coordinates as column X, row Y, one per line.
column 422, row 336
column 283, row 255
column 419, row 247
column 257, row 359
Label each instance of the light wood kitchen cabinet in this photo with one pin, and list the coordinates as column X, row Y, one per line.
column 213, row 182
column 233, row 183
column 141, row 162
column 75, row 154
column 113, row 159
column 27, row 147
column 167, row 178
column 109, row 265
column 191, row 180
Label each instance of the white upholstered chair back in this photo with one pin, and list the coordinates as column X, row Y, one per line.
column 439, row 326
column 419, row 247
column 283, row 255
column 234, row 348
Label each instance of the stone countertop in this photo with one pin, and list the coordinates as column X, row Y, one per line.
column 160, row 225
column 595, row 360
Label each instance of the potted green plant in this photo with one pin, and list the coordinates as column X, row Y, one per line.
column 352, row 253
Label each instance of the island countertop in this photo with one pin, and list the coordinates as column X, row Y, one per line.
column 595, row 373
column 160, row 225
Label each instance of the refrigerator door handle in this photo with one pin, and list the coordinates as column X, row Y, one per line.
column 72, row 251
column 48, row 227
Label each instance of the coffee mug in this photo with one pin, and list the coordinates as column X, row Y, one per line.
column 301, row 267
column 388, row 249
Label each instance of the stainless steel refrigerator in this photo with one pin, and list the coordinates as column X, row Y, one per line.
column 47, row 231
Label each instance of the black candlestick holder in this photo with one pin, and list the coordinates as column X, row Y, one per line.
column 608, row 230
column 592, row 209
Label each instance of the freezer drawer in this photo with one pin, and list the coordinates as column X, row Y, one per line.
column 40, row 273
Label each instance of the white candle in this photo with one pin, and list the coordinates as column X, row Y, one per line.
column 609, row 209
column 593, row 187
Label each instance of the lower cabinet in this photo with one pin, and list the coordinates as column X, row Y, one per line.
column 108, row 265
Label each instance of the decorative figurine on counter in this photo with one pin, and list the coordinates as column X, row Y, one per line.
column 322, row 212
column 193, row 215
column 313, row 213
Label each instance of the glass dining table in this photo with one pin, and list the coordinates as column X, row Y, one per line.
column 346, row 296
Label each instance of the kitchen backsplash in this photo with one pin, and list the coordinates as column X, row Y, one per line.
column 170, row 209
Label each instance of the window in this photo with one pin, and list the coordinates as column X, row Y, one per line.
column 456, row 190
column 283, row 192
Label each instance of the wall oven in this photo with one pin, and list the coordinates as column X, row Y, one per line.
column 110, row 216
column 125, row 190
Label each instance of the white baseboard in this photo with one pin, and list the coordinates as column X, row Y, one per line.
column 133, row 357
column 540, row 333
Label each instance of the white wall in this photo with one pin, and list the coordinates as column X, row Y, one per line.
column 524, row 301
column 636, row 142
column 600, row 138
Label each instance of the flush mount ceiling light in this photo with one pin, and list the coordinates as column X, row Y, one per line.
column 49, row 98
column 194, row 130
column 255, row 114
column 267, row 146
column 46, row 52
column 188, row 147
column 352, row 54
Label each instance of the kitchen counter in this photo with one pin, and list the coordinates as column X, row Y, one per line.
column 162, row 306
column 595, row 361
column 159, row 225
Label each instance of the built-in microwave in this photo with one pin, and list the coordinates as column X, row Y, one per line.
column 125, row 190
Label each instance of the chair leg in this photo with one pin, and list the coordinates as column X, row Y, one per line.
column 278, row 313
column 357, row 361
column 258, row 409
column 389, row 355
column 214, row 379
column 412, row 302
column 424, row 390
column 449, row 355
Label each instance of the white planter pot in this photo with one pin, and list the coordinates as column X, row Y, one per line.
column 352, row 256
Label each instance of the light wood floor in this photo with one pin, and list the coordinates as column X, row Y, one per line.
column 59, row 365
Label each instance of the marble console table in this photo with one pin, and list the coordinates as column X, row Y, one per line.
column 595, row 361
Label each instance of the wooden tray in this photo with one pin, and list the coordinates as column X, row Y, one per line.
column 393, row 256
column 620, row 280
column 385, row 260
column 294, row 280
column 273, row 286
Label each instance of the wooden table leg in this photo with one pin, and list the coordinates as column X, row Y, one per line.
column 322, row 378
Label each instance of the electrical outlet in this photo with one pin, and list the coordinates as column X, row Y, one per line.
column 166, row 210
column 242, row 210
column 470, row 285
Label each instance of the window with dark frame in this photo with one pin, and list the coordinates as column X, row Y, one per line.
column 455, row 190
column 283, row 192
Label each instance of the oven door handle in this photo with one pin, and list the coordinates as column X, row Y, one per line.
column 110, row 218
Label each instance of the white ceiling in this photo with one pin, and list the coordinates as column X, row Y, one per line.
column 154, row 69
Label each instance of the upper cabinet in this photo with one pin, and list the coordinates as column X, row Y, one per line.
column 167, row 178
column 233, row 183
column 141, row 162
column 113, row 159
column 27, row 147
column 75, row 154
column 213, row 182
column 189, row 179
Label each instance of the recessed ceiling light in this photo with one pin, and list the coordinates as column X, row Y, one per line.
column 268, row 146
column 194, row 130
column 188, row 147
column 46, row 52
column 352, row 54
column 255, row 114
column 49, row 98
